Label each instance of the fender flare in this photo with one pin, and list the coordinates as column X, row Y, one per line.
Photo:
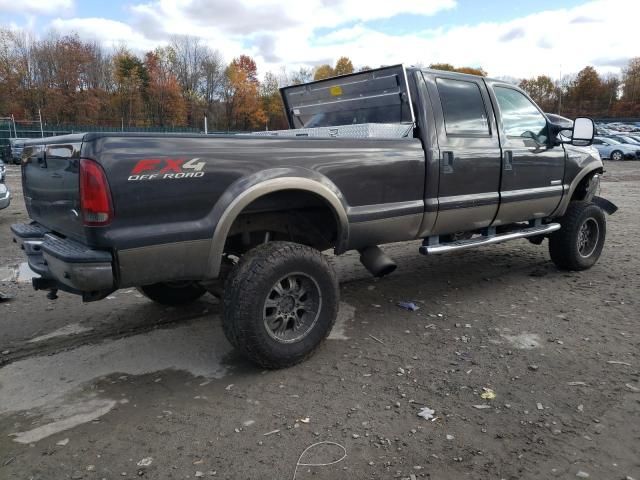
column 570, row 190
column 244, row 191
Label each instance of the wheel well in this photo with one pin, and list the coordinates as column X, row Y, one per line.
column 582, row 189
column 291, row 215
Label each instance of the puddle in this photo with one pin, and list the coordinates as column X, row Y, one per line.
column 18, row 273
column 523, row 341
column 71, row 416
column 346, row 313
column 25, row 274
column 7, row 274
column 67, row 330
column 52, row 386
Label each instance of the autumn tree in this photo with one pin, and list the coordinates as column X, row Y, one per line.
column 131, row 79
column 631, row 81
column 584, row 92
column 323, row 71
column 213, row 73
column 343, row 66
column 71, row 80
column 272, row 103
column 165, row 104
column 543, row 91
column 11, row 85
column 302, row 75
column 243, row 107
column 450, row 68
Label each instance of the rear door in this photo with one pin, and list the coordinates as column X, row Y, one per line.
column 469, row 151
column 533, row 167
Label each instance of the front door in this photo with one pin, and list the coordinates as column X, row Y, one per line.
column 469, row 150
column 532, row 167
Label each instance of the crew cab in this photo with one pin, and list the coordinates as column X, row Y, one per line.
column 391, row 154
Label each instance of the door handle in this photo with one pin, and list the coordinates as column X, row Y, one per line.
column 447, row 162
column 507, row 157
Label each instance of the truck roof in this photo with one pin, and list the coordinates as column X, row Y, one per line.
column 448, row 72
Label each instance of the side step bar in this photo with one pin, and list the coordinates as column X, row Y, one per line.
column 438, row 248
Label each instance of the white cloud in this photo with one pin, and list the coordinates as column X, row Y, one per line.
column 35, row 7
column 110, row 33
column 285, row 32
column 542, row 43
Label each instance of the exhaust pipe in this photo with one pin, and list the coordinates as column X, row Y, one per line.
column 376, row 261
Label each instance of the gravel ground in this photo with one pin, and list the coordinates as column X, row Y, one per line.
column 124, row 388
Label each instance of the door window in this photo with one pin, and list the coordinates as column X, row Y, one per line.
column 463, row 107
column 520, row 117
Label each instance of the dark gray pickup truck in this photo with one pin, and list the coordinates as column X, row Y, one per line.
column 386, row 155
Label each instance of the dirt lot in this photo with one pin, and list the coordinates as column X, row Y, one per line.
column 124, row 388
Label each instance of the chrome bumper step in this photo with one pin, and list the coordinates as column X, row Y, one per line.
column 437, row 248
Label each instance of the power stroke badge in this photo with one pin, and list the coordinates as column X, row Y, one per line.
column 166, row 168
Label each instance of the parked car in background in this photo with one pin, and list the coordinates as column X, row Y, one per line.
column 3, row 171
column 624, row 139
column 17, row 145
column 5, row 196
column 615, row 150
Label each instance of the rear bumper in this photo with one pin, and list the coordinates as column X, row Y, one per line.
column 64, row 263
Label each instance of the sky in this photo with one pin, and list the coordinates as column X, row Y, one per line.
column 508, row 38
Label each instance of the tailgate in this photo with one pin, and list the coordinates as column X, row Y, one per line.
column 50, row 181
column 373, row 96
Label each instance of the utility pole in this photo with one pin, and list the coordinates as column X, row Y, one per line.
column 15, row 131
column 41, row 129
column 206, row 129
column 560, row 92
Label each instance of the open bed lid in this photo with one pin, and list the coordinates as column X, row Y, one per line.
column 373, row 96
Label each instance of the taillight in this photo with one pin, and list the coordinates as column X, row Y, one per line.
column 95, row 198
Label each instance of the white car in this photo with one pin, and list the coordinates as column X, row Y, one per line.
column 5, row 196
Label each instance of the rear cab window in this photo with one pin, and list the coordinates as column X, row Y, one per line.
column 463, row 108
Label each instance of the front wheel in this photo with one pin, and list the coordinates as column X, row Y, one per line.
column 617, row 155
column 579, row 242
column 280, row 302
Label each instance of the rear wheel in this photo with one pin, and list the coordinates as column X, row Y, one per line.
column 579, row 243
column 616, row 155
column 173, row 293
column 280, row 303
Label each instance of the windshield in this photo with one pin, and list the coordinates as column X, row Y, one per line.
column 630, row 140
column 612, row 141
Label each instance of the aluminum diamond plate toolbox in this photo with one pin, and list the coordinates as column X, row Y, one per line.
column 363, row 130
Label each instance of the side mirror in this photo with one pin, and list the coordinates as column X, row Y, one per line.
column 583, row 132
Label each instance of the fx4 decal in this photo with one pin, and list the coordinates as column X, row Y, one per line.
column 166, row 168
